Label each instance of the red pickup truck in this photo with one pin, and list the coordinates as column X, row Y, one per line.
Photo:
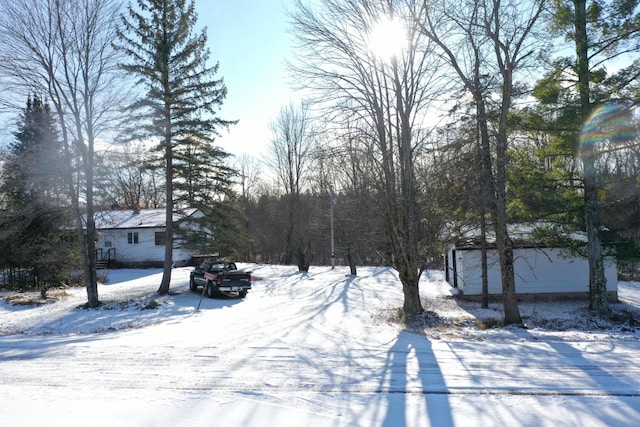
column 220, row 277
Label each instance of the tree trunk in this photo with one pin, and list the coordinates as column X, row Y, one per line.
column 352, row 264
column 598, row 299
column 86, row 227
column 412, row 306
column 91, row 276
column 304, row 261
column 92, row 279
column 503, row 241
column 409, row 218
column 505, row 250
column 303, row 266
column 486, row 183
column 168, row 252
column 291, row 230
column 168, row 248
column 483, row 259
column 597, row 283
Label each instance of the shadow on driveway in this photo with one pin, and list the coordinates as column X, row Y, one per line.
column 414, row 383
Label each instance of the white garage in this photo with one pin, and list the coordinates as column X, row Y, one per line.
column 539, row 273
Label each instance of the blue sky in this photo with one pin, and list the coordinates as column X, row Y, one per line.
column 249, row 39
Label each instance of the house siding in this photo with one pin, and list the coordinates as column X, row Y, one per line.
column 145, row 251
column 537, row 271
column 113, row 234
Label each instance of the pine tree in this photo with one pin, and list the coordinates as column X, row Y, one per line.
column 602, row 32
column 32, row 226
column 179, row 107
column 35, row 155
column 202, row 180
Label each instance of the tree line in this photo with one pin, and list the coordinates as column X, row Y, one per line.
column 481, row 115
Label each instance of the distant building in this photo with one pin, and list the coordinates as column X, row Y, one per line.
column 136, row 238
column 540, row 272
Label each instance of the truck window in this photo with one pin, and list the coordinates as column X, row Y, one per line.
column 216, row 266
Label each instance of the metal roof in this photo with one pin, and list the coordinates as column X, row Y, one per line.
column 142, row 218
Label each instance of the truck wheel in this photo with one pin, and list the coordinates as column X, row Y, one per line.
column 192, row 285
column 210, row 291
column 242, row 294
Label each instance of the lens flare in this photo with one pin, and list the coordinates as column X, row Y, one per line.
column 611, row 123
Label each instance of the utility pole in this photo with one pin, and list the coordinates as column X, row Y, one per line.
column 332, row 203
column 333, row 245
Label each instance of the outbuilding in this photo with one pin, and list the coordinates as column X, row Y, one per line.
column 136, row 238
column 540, row 272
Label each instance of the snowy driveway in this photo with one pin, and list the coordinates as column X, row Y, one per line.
column 300, row 350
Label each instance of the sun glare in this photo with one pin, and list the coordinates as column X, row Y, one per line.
column 388, row 38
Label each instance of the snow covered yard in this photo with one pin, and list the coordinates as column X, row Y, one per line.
column 312, row 349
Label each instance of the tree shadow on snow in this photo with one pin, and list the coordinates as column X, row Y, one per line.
column 414, row 384
column 128, row 311
column 616, row 375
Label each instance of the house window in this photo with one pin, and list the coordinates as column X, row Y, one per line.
column 132, row 237
column 160, row 238
column 108, row 243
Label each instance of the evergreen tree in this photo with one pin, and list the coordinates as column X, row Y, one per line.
column 601, row 32
column 544, row 175
column 202, row 180
column 35, row 156
column 32, row 225
column 179, row 107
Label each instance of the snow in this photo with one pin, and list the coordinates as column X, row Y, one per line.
column 316, row 349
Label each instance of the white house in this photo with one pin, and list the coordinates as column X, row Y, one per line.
column 539, row 272
column 137, row 237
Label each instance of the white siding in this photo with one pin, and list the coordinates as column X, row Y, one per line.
column 144, row 251
column 537, row 271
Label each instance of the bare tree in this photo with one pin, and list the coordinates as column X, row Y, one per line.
column 292, row 146
column 352, row 197
column 292, row 149
column 249, row 169
column 124, row 179
column 387, row 92
column 63, row 50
